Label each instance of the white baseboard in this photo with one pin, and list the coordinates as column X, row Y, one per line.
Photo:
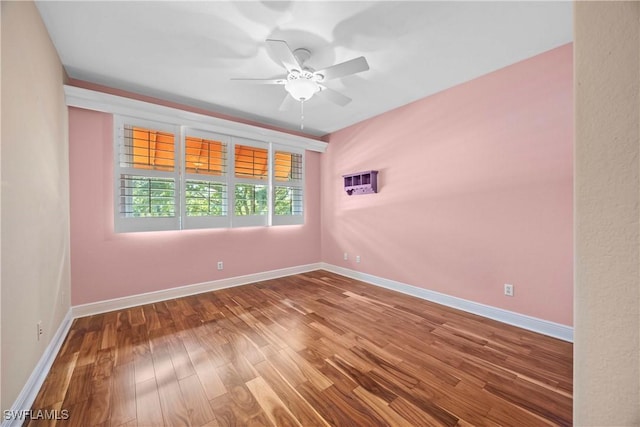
column 31, row 388
column 534, row 324
column 545, row 327
column 183, row 291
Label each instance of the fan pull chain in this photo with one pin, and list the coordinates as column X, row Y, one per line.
column 302, row 114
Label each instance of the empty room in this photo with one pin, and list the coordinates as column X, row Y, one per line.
column 320, row 213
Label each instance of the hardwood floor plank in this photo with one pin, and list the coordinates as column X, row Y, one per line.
column 108, row 336
column 364, row 381
column 123, row 399
column 174, row 410
column 151, row 317
column 56, row 384
column 229, row 413
column 89, row 349
column 534, row 399
column 308, row 371
column 225, row 412
column 419, row 397
column 143, row 364
column 179, row 357
column 124, row 346
column 340, row 380
column 42, row 422
column 416, row 416
column 148, row 409
column 300, row 408
column 314, row 349
column 271, row 404
column 163, row 315
column 79, row 385
column 472, row 411
column 77, row 414
column 332, row 414
column 247, row 406
column 358, row 413
column 514, row 416
column 198, row 407
column 99, row 405
column 380, row 406
column 206, row 372
column 73, row 341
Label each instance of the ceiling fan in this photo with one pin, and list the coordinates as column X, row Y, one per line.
column 302, row 82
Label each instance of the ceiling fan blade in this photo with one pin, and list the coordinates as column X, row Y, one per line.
column 280, row 49
column 262, row 81
column 333, row 96
column 287, row 103
column 346, row 68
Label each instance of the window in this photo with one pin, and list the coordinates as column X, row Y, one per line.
column 173, row 177
column 288, row 188
column 205, row 188
column 251, row 179
column 147, row 177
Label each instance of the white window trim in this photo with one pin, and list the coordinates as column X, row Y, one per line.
column 249, row 220
column 195, row 222
column 118, row 105
column 299, row 183
column 181, row 220
column 124, row 224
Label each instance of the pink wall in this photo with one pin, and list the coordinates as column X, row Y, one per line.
column 476, row 190
column 106, row 265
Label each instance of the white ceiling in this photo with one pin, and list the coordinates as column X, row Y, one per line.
column 188, row 51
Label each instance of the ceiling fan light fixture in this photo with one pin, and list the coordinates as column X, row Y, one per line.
column 301, row 89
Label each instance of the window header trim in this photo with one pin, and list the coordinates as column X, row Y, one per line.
column 107, row 103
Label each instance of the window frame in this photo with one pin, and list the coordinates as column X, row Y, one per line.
column 298, row 183
column 249, row 220
column 197, row 222
column 125, row 224
column 181, row 221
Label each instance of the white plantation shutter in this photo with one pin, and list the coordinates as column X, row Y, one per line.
column 288, row 186
column 205, row 184
column 251, row 173
column 171, row 177
column 146, row 176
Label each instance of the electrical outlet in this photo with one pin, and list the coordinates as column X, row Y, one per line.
column 346, row 256
column 358, row 259
column 40, row 331
column 220, row 265
column 508, row 290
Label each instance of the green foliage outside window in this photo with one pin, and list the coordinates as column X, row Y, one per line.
column 204, row 198
column 149, row 197
column 251, row 199
column 154, row 197
column 288, row 201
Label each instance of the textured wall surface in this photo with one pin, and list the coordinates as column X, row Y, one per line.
column 475, row 190
column 607, row 194
column 106, row 265
column 35, row 194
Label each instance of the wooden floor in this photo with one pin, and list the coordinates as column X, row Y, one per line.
column 314, row 349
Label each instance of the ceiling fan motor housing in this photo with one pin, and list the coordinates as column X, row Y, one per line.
column 301, row 85
column 302, row 55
